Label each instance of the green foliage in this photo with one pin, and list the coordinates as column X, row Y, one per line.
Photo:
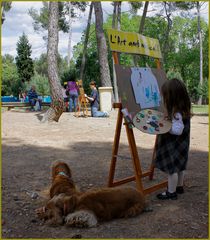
column 181, row 60
column 40, row 64
column 11, row 84
column 174, row 74
column 42, row 84
column 41, row 19
column 23, row 60
column 69, row 75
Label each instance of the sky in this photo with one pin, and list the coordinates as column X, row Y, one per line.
column 18, row 21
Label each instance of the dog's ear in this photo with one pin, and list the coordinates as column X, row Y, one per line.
column 68, row 170
column 70, row 204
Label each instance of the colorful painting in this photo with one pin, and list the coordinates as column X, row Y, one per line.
column 139, row 88
column 145, row 88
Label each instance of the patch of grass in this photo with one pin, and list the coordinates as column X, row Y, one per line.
column 204, row 109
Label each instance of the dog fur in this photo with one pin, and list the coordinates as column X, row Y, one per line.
column 88, row 208
column 62, row 181
column 62, row 185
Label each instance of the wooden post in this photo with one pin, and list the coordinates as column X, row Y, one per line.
column 115, row 146
column 135, row 157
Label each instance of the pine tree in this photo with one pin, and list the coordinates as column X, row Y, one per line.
column 24, row 61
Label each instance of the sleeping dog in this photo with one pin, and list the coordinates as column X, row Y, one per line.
column 88, row 208
column 62, row 185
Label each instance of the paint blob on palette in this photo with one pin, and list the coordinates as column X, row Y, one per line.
column 151, row 121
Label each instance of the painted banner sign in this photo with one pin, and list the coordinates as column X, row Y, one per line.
column 130, row 42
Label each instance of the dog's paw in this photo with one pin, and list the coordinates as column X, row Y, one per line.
column 82, row 218
column 41, row 212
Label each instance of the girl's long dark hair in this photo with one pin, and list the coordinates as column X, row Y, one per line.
column 176, row 98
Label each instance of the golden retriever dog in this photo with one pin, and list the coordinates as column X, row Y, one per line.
column 62, row 181
column 88, row 208
column 62, row 185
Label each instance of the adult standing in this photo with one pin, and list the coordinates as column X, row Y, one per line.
column 73, row 94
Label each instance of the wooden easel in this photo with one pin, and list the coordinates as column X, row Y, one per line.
column 82, row 101
column 138, row 174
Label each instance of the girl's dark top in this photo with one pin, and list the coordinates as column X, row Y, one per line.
column 172, row 150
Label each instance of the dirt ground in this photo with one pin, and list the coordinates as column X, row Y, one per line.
column 29, row 147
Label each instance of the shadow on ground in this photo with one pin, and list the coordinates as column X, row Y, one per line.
column 24, row 173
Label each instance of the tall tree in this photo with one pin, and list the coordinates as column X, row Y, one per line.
column 188, row 6
column 5, row 7
column 82, row 69
column 57, row 106
column 198, row 6
column 141, row 27
column 116, row 23
column 70, row 35
column 41, row 19
column 24, row 61
column 102, row 47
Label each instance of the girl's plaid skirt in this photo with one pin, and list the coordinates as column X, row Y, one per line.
column 172, row 150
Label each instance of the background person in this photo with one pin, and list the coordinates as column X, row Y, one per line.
column 94, row 102
column 65, row 96
column 33, row 98
column 73, row 94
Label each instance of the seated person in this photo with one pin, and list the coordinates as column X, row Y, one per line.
column 94, row 102
column 33, row 98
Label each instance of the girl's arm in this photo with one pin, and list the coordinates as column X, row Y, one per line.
column 177, row 125
column 89, row 98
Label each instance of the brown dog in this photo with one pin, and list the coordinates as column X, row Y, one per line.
column 62, row 181
column 89, row 208
column 62, row 185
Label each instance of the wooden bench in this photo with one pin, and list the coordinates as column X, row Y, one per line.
column 10, row 105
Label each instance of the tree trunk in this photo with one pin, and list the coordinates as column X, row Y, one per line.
column 168, row 11
column 201, row 50
column 85, row 43
column 70, row 35
column 5, row 7
column 57, row 106
column 141, row 29
column 102, row 47
column 116, row 22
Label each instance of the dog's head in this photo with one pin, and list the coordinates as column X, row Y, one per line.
column 61, row 168
column 56, row 208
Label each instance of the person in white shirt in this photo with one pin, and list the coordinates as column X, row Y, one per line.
column 173, row 147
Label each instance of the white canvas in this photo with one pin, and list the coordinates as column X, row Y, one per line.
column 145, row 88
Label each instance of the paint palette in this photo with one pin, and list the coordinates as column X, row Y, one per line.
column 151, row 121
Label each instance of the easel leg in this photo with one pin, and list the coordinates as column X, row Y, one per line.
column 152, row 166
column 115, row 148
column 135, row 157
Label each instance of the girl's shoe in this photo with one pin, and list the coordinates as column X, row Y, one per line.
column 180, row 189
column 167, row 195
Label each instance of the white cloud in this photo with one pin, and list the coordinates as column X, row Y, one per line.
column 23, row 7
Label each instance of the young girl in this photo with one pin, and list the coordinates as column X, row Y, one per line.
column 173, row 147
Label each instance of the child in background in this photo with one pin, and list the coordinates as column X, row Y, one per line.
column 94, row 102
column 173, row 147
